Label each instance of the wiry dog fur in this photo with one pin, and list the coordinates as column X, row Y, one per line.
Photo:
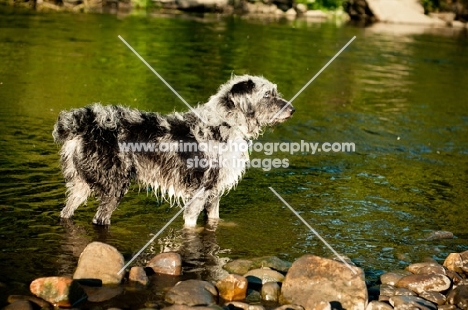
column 93, row 163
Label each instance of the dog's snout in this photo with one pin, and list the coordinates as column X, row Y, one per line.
column 292, row 109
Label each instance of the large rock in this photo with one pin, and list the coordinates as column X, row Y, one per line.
column 390, row 11
column 457, row 262
column 100, row 261
column 312, row 279
column 166, row 263
column 192, row 293
column 59, row 291
column 232, row 287
column 425, row 282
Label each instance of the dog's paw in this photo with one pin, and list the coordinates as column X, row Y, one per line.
column 100, row 221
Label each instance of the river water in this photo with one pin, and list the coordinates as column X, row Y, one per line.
column 398, row 93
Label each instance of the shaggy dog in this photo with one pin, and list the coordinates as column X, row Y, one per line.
column 96, row 157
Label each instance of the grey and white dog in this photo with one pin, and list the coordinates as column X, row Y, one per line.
column 94, row 162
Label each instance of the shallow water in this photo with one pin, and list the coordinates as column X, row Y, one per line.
column 398, row 93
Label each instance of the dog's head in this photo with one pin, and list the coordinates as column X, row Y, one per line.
column 255, row 102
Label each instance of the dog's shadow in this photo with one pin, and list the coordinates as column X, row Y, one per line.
column 198, row 248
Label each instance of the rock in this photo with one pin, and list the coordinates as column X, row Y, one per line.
column 100, row 294
column 455, row 277
column 411, row 302
column 265, row 275
column 59, row 291
column 447, row 17
column 426, row 268
column 205, row 5
column 192, row 293
column 100, row 261
column 38, row 301
column 378, row 305
column 290, row 307
column 183, row 307
column 238, row 266
column 321, row 305
column 166, row 263
column 20, row 305
column 425, row 282
column 256, row 307
column 404, row 292
column 393, row 277
column 447, row 307
column 301, row 8
column 312, row 279
column 457, row 262
column 270, row 291
column 138, row 275
column 387, row 290
column 237, row 305
column 438, row 235
column 272, row 262
column 291, row 12
column 459, row 297
column 254, row 297
column 232, row 287
column 434, row 297
column 316, row 14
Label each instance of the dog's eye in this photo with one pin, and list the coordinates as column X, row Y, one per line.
column 266, row 95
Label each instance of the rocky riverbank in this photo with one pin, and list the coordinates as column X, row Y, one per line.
column 100, row 281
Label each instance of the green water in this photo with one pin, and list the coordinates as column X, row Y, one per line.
column 400, row 94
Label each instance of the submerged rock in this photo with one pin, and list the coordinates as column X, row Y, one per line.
column 166, row 263
column 312, row 279
column 232, row 287
column 100, row 261
column 59, row 291
column 100, row 294
column 192, row 293
column 239, row 266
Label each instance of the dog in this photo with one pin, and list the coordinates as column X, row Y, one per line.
column 96, row 159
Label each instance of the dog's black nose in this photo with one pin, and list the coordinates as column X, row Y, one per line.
column 292, row 109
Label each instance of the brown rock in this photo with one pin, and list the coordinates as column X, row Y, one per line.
column 425, row 282
column 265, row 275
column 455, row 277
column 239, row 266
column 457, row 262
column 378, row 305
column 270, row 291
column 100, row 261
column 411, row 302
column 438, row 235
column 59, row 291
column 19, row 305
column 38, row 301
column 272, row 262
column 290, row 307
column 232, row 287
column 393, row 277
column 459, row 297
column 237, row 305
column 100, row 294
column 447, row 307
column 434, row 297
column 166, row 263
column 192, row 293
column 401, row 291
column 426, row 268
column 138, row 274
column 387, row 290
column 312, row 279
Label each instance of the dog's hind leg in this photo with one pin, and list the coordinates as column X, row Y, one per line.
column 78, row 192
column 212, row 208
column 107, row 205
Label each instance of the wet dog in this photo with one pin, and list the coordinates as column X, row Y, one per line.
column 107, row 147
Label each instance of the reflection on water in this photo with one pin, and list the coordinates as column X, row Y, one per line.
column 400, row 98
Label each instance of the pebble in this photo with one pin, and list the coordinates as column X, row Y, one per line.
column 425, row 282
column 166, row 263
column 192, row 293
column 100, row 261
column 270, row 291
column 59, row 291
column 232, row 287
column 459, row 297
column 378, row 305
column 411, row 302
column 138, row 275
column 239, row 266
column 393, row 277
column 265, row 275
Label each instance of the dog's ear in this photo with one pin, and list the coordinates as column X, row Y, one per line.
column 243, row 88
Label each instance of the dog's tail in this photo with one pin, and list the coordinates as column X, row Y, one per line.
column 70, row 124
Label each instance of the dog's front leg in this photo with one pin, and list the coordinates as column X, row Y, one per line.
column 212, row 208
column 194, row 208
